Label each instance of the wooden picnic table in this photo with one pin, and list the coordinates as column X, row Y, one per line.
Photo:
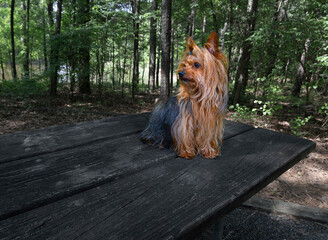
column 97, row 180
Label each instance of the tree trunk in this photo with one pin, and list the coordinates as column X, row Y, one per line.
column 223, row 31
column 300, row 75
column 45, row 58
column 26, row 40
column 214, row 17
column 243, row 64
column 166, row 39
column 152, row 47
column 135, row 77
column 172, row 60
column 204, row 27
column 84, row 50
column 157, row 65
column 124, row 65
column 14, row 71
column 273, row 49
column 54, row 52
column 2, row 68
column 230, row 37
column 113, row 61
column 191, row 21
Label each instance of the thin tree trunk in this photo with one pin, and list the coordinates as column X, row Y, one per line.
column 230, row 37
column 124, row 65
column 152, row 47
column 45, row 59
column 54, row 53
column 243, row 65
column 273, row 49
column 113, row 60
column 166, row 38
column 2, row 68
column 172, row 60
column 157, row 65
column 216, row 28
column 135, row 78
column 300, row 75
column 204, row 27
column 191, row 21
column 14, row 71
column 26, row 41
column 223, row 31
column 84, row 50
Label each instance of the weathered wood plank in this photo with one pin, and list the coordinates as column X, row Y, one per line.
column 38, row 180
column 32, row 143
column 176, row 199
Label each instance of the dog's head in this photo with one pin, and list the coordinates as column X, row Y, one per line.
column 202, row 71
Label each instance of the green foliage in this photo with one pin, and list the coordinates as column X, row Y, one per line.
column 24, row 88
column 266, row 108
column 297, row 123
column 324, row 109
column 242, row 112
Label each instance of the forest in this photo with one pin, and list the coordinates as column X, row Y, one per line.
column 117, row 49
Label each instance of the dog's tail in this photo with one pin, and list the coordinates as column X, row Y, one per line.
column 158, row 131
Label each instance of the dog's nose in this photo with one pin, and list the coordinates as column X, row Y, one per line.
column 181, row 74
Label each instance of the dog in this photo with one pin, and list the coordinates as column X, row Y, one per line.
column 192, row 121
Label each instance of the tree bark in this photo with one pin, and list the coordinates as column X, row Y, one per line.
column 243, row 64
column 191, row 21
column 13, row 57
column 230, row 37
column 214, row 17
column 84, row 49
column 113, row 61
column 157, row 65
column 124, row 65
column 172, row 59
column 45, row 58
column 274, row 36
column 166, row 44
column 135, row 76
column 54, row 52
column 27, row 40
column 300, row 74
column 152, row 47
column 2, row 68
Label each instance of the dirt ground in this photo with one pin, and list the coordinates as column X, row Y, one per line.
column 306, row 183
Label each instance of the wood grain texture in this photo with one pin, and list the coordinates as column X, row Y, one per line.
column 32, row 143
column 32, row 182
column 175, row 199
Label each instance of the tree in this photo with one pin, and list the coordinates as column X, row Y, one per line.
column 152, row 46
column 300, row 75
column 26, row 39
column 244, row 60
column 135, row 76
column 166, row 43
column 54, row 45
column 83, row 72
column 13, row 52
column 191, row 20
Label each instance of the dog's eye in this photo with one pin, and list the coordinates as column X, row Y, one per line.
column 197, row 65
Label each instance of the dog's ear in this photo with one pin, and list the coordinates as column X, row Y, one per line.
column 190, row 45
column 212, row 44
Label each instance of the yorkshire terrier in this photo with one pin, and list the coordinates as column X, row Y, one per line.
column 192, row 121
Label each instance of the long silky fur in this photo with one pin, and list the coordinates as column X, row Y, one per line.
column 192, row 122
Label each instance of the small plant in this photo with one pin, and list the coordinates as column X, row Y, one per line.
column 297, row 123
column 242, row 112
column 266, row 108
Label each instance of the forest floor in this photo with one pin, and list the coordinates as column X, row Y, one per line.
column 306, row 183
